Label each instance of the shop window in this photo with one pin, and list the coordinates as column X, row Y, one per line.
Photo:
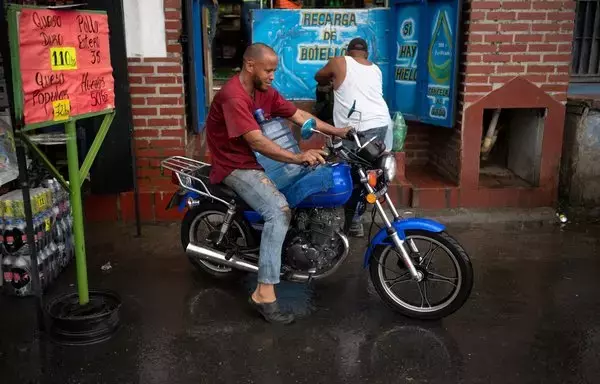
column 511, row 148
column 585, row 64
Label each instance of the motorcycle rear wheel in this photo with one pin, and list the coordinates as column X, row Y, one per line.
column 462, row 283
column 239, row 230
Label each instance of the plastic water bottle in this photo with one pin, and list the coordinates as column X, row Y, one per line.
column 282, row 174
column 9, row 236
column 7, row 272
column 22, row 276
column 400, row 129
column 53, row 261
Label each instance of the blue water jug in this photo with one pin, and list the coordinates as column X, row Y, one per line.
column 282, row 174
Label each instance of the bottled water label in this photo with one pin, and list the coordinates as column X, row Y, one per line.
column 52, row 235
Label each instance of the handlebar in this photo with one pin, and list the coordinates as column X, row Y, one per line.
column 335, row 143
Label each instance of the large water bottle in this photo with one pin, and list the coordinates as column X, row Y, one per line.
column 282, row 174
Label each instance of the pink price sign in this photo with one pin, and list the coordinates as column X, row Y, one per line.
column 64, row 64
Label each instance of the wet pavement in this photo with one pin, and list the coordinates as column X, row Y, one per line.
column 532, row 318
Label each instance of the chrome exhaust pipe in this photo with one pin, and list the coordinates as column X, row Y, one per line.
column 217, row 257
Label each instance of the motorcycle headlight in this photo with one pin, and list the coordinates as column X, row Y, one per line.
column 388, row 165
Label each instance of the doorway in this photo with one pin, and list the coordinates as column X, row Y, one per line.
column 513, row 155
column 224, row 46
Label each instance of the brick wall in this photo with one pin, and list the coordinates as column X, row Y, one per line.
column 503, row 39
column 158, row 101
column 159, row 120
column 529, row 38
column 417, row 143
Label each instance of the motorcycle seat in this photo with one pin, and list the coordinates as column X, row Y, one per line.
column 219, row 190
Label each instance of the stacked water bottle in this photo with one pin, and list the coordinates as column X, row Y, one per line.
column 53, row 237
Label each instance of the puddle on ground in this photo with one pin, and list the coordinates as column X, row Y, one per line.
column 297, row 298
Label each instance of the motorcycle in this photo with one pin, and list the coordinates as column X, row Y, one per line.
column 317, row 242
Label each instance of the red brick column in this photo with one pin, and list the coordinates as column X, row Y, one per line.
column 530, row 40
column 158, row 104
column 158, row 100
column 503, row 39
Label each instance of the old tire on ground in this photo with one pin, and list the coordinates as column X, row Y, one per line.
column 75, row 324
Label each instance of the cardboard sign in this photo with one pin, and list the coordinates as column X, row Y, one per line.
column 64, row 64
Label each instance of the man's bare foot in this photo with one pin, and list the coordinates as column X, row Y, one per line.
column 264, row 293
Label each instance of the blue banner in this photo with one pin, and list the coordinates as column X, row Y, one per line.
column 418, row 59
column 405, row 71
column 306, row 39
column 426, row 66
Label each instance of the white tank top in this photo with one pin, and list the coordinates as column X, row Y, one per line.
column 364, row 84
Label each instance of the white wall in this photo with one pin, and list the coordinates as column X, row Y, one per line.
column 145, row 28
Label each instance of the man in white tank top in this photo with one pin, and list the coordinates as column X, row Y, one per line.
column 358, row 83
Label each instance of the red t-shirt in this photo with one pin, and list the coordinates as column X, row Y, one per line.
column 230, row 117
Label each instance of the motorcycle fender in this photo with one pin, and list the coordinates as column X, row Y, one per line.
column 401, row 226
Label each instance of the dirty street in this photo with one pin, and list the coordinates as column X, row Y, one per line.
column 299, row 191
column 532, row 318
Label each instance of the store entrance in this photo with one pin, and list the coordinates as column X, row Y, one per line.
column 228, row 33
column 229, row 41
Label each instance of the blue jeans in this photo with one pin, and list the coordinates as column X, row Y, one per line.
column 259, row 192
column 383, row 134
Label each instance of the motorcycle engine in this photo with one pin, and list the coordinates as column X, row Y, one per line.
column 314, row 244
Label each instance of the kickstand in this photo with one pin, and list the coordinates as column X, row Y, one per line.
column 230, row 253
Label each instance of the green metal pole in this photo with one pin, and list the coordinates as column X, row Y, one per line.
column 75, row 190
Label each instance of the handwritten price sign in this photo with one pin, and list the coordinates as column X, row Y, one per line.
column 64, row 64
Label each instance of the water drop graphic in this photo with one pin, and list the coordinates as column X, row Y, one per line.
column 439, row 55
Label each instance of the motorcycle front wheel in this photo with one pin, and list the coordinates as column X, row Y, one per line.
column 447, row 276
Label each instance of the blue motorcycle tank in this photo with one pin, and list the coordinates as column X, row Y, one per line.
column 335, row 196
column 288, row 177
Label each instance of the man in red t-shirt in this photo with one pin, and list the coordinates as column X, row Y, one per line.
column 232, row 135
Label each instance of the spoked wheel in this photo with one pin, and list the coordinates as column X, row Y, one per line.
column 447, row 276
column 201, row 225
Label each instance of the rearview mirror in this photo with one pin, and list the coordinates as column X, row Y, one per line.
column 308, row 128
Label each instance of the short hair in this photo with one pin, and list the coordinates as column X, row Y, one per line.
column 257, row 51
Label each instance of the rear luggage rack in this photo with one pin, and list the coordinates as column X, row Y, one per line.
column 186, row 170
